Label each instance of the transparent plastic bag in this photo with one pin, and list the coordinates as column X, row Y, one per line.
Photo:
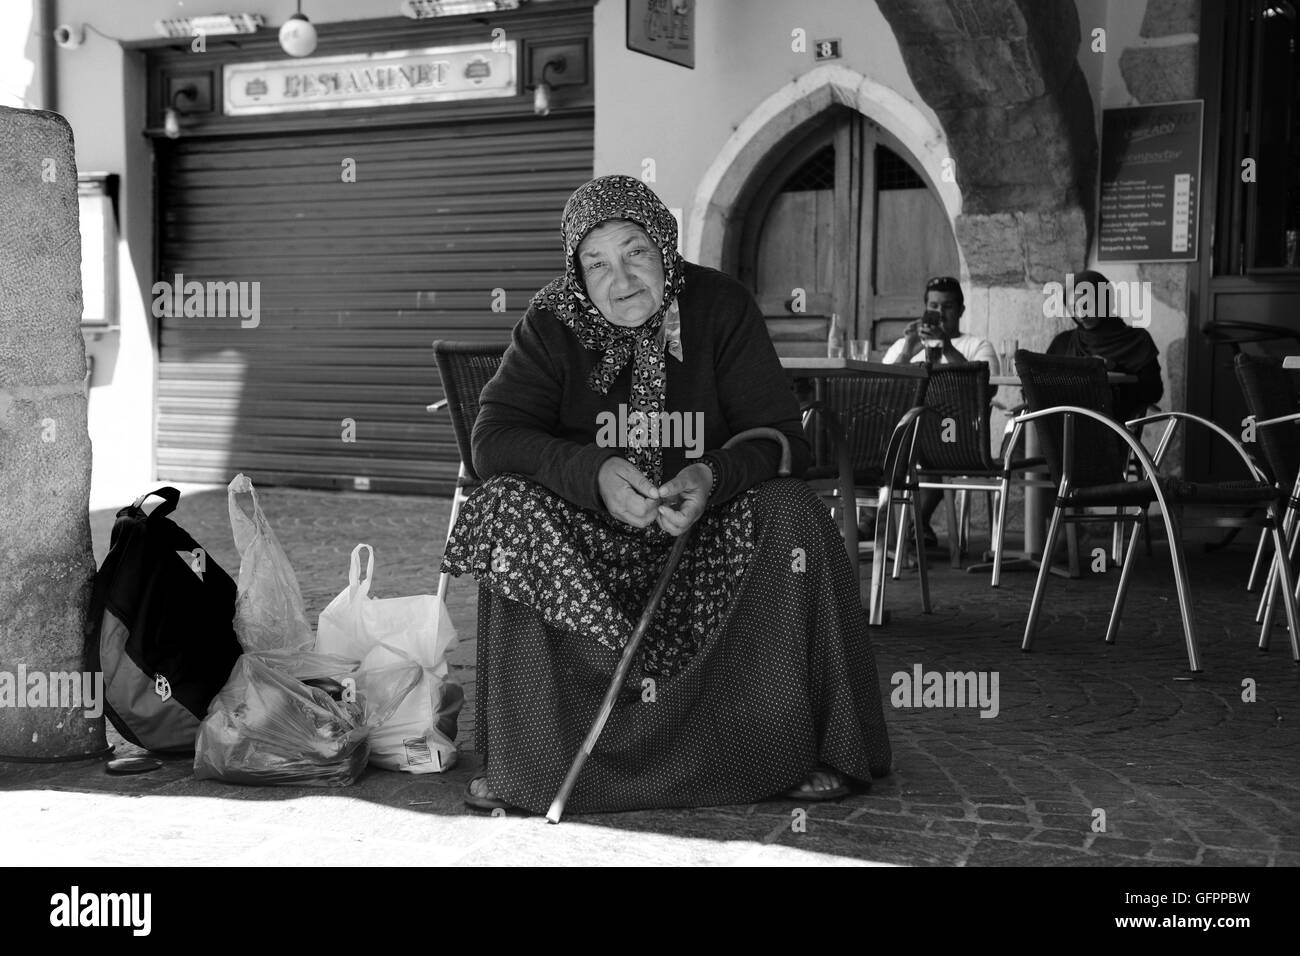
column 269, row 612
column 267, row 727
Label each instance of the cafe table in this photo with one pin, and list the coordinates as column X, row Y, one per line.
column 818, row 369
column 1038, row 489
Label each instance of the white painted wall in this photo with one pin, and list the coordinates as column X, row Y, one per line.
column 682, row 118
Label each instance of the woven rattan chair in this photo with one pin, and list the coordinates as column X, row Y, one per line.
column 952, row 449
column 464, row 367
column 862, row 430
column 1086, row 455
column 1274, row 409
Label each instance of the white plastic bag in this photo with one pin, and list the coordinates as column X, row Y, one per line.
column 419, row 736
column 269, row 613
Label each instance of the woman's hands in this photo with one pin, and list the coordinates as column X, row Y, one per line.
column 628, row 495
column 631, row 498
column 684, row 498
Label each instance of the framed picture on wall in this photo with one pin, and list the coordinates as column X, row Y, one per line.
column 664, row 29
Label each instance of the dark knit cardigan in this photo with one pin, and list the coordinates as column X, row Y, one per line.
column 539, row 418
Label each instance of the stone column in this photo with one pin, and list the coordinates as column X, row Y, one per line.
column 46, row 563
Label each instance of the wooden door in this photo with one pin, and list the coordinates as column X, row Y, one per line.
column 842, row 224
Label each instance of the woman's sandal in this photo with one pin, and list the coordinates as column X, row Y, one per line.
column 484, row 799
column 802, row 790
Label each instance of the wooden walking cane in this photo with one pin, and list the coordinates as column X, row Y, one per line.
column 629, row 651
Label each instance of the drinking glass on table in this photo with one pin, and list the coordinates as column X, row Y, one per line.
column 860, row 350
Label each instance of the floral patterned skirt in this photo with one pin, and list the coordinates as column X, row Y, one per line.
column 756, row 667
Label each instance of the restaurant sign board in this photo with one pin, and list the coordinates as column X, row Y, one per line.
column 397, row 78
column 1150, row 183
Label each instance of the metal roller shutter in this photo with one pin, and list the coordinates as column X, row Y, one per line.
column 356, row 280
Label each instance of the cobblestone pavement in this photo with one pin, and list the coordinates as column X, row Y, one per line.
column 1097, row 755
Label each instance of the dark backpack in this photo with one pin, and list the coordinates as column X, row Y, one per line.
column 160, row 628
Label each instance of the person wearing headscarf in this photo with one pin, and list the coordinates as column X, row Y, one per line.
column 1099, row 333
column 600, row 440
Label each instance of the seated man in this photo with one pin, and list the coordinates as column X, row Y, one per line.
column 948, row 345
column 943, row 295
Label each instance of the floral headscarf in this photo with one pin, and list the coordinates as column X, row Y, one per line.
column 601, row 200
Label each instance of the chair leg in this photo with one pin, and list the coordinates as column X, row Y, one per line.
column 1182, row 586
column 921, row 568
column 965, row 504
column 1044, row 572
column 1253, row 581
column 1281, row 579
column 456, row 500
column 849, row 529
column 954, row 531
column 999, row 532
column 1287, row 571
column 1267, row 598
column 879, row 560
column 988, row 509
column 1117, row 539
column 1267, row 609
column 1125, row 575
column 903, row 542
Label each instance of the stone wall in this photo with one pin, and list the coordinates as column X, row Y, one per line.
column 46, row 565
column 1004, row 79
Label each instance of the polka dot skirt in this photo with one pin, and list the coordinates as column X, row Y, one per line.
column 778, row 679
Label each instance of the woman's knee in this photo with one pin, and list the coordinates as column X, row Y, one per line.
column 788, row 496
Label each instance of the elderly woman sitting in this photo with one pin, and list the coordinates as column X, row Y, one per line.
column 601, row 439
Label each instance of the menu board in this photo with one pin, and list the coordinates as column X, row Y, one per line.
column 1150, row 183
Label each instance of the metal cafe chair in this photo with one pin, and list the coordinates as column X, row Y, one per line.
column 1234, row 334
column 952, row 450
column 1272, row 401
column 464, row 367
column 1086, row 451
column 862, row 430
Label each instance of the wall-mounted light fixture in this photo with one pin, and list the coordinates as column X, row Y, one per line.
column 172, row 116
column 542, row 92
column 218, row 24
column 298, row 36
column 425, row 9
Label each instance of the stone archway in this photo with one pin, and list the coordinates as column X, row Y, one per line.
column 750, row 148
column 1004, row 79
